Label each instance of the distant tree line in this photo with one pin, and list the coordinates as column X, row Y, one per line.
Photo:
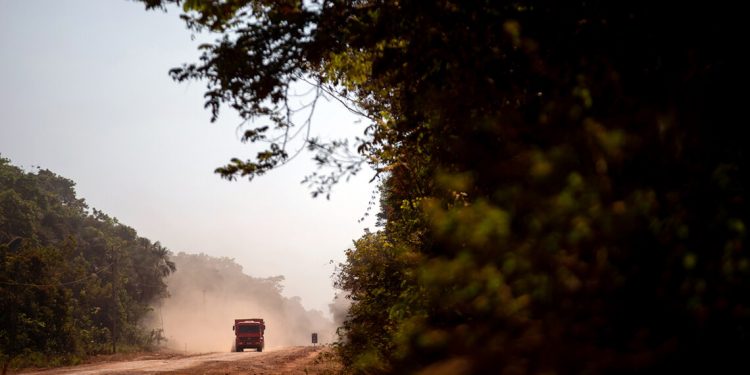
column 73, row 281
column 562, row 187
column 207, row 293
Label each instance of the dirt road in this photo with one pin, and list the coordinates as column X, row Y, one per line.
column 286, row 361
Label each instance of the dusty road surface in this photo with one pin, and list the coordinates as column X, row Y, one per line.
column 286, row 361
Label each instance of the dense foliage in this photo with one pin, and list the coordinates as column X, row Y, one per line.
column 562, row 187
column 73, row 281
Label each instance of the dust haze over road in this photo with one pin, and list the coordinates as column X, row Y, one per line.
column 208, row 293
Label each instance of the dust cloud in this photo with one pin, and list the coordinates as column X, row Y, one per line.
column 208, row 293
column 339, row 308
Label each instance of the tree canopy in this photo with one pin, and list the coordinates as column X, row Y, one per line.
column 73, row 280
column 561, row 182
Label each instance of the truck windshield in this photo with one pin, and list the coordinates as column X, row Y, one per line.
column 249, row 328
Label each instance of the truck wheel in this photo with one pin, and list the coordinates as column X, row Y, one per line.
column 260, row 349
column 239, row 349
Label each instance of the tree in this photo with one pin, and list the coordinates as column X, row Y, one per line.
column 61, row 291
column 569, row 174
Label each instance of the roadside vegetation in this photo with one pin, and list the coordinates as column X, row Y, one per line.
column 73, row 280
column 561, row 185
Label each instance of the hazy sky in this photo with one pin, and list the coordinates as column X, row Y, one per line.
column 84, row 92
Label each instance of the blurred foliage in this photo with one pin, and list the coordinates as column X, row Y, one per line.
column 562, row 185
column 59, row 262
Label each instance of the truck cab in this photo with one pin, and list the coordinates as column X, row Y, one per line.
column 248, row 333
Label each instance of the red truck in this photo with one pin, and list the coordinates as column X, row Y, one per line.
column 248, row 333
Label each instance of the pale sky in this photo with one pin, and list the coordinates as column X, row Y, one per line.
column 84, row 92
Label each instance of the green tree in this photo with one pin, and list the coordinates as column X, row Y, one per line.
column 72, row 280
column 375, row 278
column 567, row 177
